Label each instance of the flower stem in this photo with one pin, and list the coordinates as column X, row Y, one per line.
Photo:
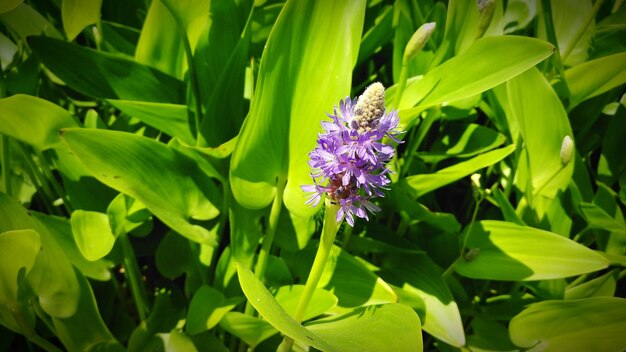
column 321, row 257
column 133, row 276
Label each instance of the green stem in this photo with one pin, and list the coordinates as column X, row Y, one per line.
column 347, row 233
column 30, row 333
column 266, row 247
column 6, row 164
column 45, row 166
column 404, row 73
column 321, row 257
column 39, row 182
column 423, row 129
column 133, row 276
column 464, row 245
column 582, row 29
column 557, row 59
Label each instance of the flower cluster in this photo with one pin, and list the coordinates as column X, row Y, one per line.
column 349, row 160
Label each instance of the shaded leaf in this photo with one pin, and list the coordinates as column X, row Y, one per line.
column 78, row 14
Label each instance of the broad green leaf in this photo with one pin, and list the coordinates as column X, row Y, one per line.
column 590, row 324
column 376, row 36
column 85, row 330
column 160, row 44
column 418, row 277
column 78, row 14
column 173, row 256
column 414, row 212
column 489, row 335
column 267, row 306
column 250, row 329
column 292, row 97
column 489, row 62
column 419, row 185
column 499, row 250
column 461, row 26
column 119, row 38
column 172, row 119
column 52, row 277
column 9, row 5
column 604, row 285
column 172, row 187
column 387, row 327
column 543, row 125
column 92, row 233
column 7, row 51
column 25, row 21
column 107, row 76
column 208, row 306
column 28, row 245
column 126, row 214
column 462, row 140
column 33, row 120
column 595, row 77
column 177, row 341
column 288, row 297
column 61, row 230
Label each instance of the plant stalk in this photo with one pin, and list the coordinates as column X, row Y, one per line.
column 331, row 225
column 133, row 276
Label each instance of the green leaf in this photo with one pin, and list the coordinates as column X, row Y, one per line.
column 489, row 62
column 543, row 125
column 499, row 250
column 250, row 329
column 61, row 230
column 590, row 324
column 78, row 14
column 173, row 255
column 280, row 129
column 160, row 44
column 597, row 218
column 569, row 18
column 14, row 268
column 85, row 330
column 608, row 72
column 604, row 285
column 387, row 327
column 208, row 306
column 107, row 76
column 267, row 306
column 173, row 119
column 419, row 278
column 321, row 302
column 347, row 277
column 52, row 277
column 92, row 233
column 25, row 21
column 33, row 120
column 462, row 140
column 171, row 186
column 419, row 185
column 9, row 5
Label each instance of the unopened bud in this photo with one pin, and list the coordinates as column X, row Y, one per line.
column 567, row 150
column 486, row 8
column 418, row 40
column 370, row 106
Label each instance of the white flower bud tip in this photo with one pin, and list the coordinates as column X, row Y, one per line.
column 567, row 150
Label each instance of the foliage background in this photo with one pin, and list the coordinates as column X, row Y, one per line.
column 153, row 151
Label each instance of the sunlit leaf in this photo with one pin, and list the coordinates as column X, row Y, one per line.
column 92, row 233
column 499, row 250
column 419, row 185
column 78, row 14
column 595, row 77
column 168, row 183
column 279, row 133
column 33, row 120
column 28, row 245
column 581, row 324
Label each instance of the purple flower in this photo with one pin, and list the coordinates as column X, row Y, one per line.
column 349, row 160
